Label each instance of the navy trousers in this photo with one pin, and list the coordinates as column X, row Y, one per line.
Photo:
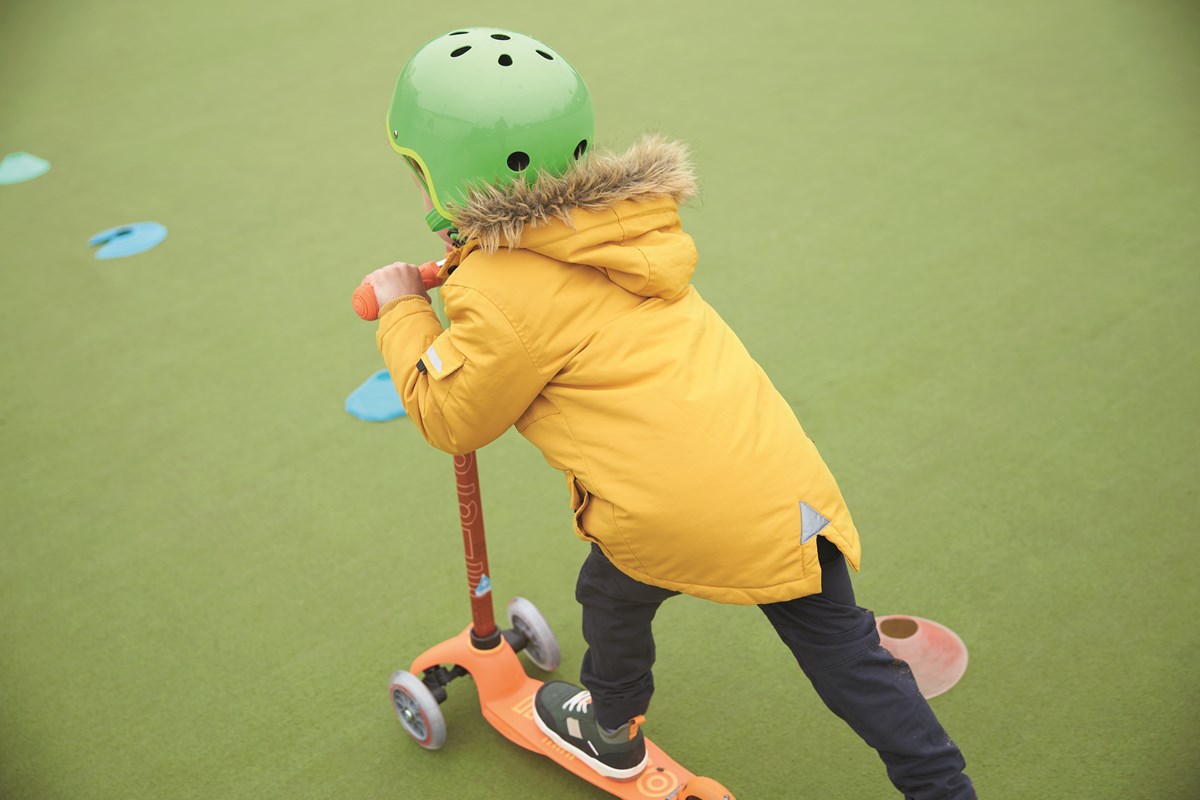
column 835, row 643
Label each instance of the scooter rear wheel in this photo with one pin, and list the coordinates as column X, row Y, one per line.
column 701, row 788
column 543, row 648
column 417, row 710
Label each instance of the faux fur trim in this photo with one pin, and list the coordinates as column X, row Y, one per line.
column 653, row 167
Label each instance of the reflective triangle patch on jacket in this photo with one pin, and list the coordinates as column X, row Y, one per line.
column 811, row 522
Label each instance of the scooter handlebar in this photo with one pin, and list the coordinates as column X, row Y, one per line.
column 366, row 305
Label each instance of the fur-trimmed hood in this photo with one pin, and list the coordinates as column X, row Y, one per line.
column 652, row 168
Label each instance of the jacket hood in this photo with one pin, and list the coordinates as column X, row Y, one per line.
column 614, row 212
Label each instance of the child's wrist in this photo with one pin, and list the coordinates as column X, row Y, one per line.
column 392, row 304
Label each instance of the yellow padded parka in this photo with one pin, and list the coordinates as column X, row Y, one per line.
column 572, row 317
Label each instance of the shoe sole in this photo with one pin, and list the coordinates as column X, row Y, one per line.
column 597, row 765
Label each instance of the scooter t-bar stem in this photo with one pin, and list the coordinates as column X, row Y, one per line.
column 484, row 633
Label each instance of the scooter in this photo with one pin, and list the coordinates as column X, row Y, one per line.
column 489, row 655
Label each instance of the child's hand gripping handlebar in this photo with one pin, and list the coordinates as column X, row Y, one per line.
column 366, row 305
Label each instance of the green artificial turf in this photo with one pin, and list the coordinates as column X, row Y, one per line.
column 963, row 239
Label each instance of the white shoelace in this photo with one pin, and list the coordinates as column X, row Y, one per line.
column 579, row 702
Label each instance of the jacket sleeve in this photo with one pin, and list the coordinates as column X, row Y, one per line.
column 463, row 386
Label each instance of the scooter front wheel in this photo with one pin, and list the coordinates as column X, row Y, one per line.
column 417, row 710
column 542, row 647
column 701, row 788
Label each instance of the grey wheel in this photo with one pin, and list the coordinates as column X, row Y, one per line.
column 543, row 647
column 417, row 710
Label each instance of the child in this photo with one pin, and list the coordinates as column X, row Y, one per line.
column 572, row 317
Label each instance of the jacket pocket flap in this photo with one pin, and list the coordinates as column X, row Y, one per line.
column 441, row 359
column 577, row 491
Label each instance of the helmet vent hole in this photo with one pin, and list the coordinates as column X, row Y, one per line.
column 544, row 55
column 518, row 161
column 457, row 33
column 580, row 149
column 501, row 37
column 460, row 51
column 505, row 60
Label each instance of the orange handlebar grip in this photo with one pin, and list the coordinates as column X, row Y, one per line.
column 429, row 274
column 366, row 305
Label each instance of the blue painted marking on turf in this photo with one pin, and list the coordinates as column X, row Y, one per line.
column 21, row 167
column 128, row 240
column 376, row 400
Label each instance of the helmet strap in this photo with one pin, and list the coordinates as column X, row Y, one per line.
column 436, row 221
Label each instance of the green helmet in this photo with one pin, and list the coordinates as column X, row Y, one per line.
column 487, row 106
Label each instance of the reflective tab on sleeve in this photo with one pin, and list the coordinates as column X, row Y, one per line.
column 435, row 360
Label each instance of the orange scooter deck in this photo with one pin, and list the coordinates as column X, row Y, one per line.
column 506, row 699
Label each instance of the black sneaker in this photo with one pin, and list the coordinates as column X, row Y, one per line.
column 564, row 713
